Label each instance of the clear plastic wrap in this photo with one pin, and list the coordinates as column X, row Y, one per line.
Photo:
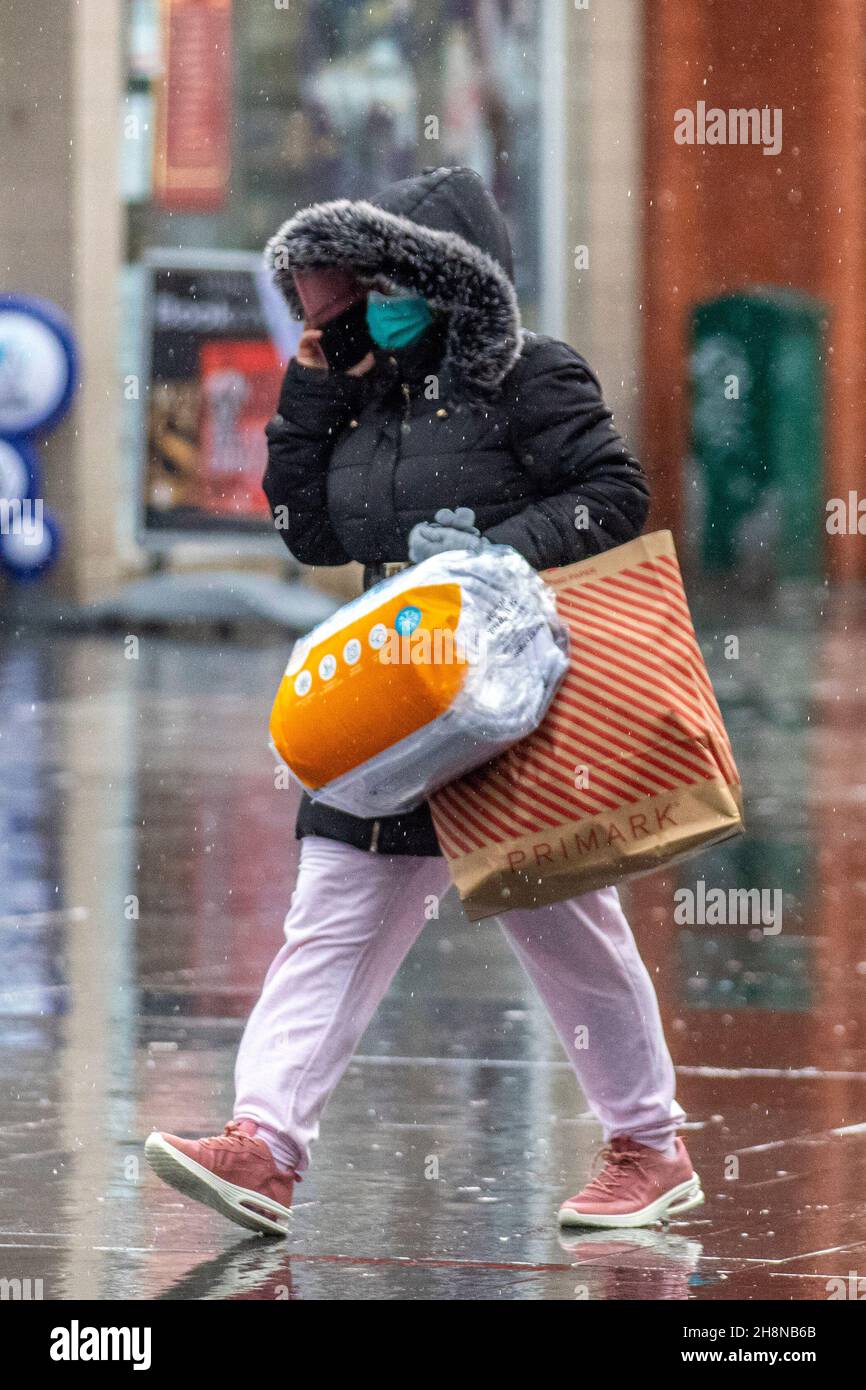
column 429, row 674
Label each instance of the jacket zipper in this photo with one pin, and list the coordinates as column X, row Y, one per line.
column 407, row 411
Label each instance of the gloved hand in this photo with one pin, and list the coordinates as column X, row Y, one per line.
column 449, row 530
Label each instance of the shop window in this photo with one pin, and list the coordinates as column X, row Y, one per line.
column 337, row 98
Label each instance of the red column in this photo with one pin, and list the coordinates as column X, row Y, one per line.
column 839, row 120
column 721, row 217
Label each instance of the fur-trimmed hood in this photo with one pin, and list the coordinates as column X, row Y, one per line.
column 439, row 234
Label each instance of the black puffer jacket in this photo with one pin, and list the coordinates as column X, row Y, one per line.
column 477, row 414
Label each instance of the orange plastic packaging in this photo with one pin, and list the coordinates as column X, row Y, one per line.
column 428, row 674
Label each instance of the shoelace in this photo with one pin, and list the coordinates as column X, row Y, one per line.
column 616, row 1163
column 232, row 1137
column 235, row 1137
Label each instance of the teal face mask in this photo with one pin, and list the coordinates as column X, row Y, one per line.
column 396, row 322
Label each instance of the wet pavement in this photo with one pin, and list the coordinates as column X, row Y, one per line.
column 146, row 862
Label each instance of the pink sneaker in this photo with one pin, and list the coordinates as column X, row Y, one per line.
column 232, row 1172
column 637, row 1186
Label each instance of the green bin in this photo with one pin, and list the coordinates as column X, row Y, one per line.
column 757, row 386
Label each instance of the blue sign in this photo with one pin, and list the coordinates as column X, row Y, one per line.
column 38, row 374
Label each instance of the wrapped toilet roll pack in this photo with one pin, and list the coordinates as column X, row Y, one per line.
column 429, row 674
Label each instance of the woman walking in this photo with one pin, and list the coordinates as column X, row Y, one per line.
column 455, row 429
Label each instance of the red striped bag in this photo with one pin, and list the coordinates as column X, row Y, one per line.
column 631, row 768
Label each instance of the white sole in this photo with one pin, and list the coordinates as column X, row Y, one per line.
column 685, row 1197
column 240, row 1204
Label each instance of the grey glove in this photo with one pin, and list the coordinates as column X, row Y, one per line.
column 449, row 530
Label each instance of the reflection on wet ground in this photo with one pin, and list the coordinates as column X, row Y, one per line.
column 146, row 861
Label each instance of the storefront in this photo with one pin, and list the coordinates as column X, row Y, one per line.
column 275, row 104
column 238, row 114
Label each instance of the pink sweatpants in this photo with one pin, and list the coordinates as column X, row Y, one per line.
column 354, row 916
